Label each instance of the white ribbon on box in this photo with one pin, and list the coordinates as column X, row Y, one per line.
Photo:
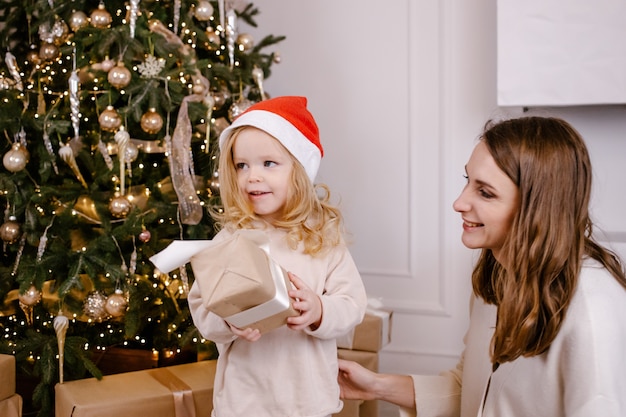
column 374, row 307
column 180, row 252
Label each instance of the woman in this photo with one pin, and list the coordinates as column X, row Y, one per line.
column 548, row 320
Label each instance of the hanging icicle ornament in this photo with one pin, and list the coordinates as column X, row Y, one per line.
column 177, row 6
column 257, row 74
column 11, row 63
column 43, row 241
column 74, row 84
column 209, row 102
column 18, row 255
column 134, row 12
column 102, row 148
column 61, row 323
column 122, row 138
column 231, row 36
column 222, row 12
column 67, row 155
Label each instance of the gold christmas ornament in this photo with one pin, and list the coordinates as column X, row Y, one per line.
column 214, row 39
column 10, row 231
column 33, row 55
column 245, row 42
column 119, row 76
column 203, row 10
column 16, row 158
column 49, row 52
column 78, row 20
column 116, row 304
column 31, row 297
column 101, row 18
column 120, row 206
column 27, row 301
column 151, row 121
column 109, row 119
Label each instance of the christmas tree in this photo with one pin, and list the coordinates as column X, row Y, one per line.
column 110, row 113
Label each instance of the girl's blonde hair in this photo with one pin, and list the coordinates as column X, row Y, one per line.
column 551, row 234
column 308, row 216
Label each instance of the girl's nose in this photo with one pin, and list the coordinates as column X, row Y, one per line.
column 254, row 174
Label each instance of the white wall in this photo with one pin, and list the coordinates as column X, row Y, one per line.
column 401, row 90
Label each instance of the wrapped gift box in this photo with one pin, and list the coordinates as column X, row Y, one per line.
column 173, row 391
column 237, row 278
column 7, row 376
column 372, row 334
column 355, row 408
column 11, row 407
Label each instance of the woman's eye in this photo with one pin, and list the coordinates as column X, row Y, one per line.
column 485, row 194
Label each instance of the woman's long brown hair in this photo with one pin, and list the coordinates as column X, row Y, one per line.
column 550, row 236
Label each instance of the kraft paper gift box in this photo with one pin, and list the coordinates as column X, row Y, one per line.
column 11, row 407
column 357, row 408
column 237, row 278
column 373, row 333
column 173, row 391
column 7, row 376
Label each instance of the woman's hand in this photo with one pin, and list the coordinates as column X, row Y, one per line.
column 359, row 383
column 355, row 381
column 307, row 302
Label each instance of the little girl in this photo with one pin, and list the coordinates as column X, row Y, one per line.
column 269, row 158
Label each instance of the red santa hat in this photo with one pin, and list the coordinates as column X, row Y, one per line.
column 289, row 121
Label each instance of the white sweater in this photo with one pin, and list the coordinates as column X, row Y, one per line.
column 583, row 373
column 286, row 373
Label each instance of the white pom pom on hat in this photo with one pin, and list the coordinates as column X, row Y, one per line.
column 288, row 120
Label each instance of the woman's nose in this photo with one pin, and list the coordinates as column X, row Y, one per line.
column 460, row 204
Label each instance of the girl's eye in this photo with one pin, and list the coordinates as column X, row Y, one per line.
column 240, row 165
column 466, row 177
column 269, row 164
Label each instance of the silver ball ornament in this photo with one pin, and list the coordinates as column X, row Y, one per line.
column 131, row 153
column 49, row 52
column 238, row 107
column 94, row 306
column 31, row 297
column 109, row 119
column 120, row 206
column 10, row 231
column 245, row 42
column 151, row 121
column 100, row 18
column 78, row 20
column 116, row 304
column 119, row 76
column 203, row 10
column 16, row 158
